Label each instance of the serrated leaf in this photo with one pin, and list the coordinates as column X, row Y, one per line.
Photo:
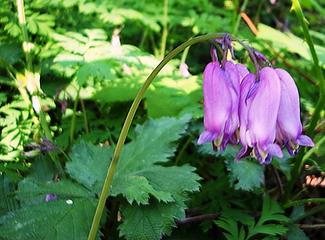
column 245, row 175
column 138, row 157
column 151, row 221
column 154, row 144
column 271, row 211
column 139, row 179
column 270, row 229
column 137, row 188
column 136, row 177
column 89, row 164
column 67, row 217
column 59, row 219
column 102, row 70
column 230, row 225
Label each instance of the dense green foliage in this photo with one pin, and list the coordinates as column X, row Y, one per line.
column 65, row 94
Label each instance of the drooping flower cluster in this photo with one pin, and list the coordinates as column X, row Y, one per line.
column 261, row 111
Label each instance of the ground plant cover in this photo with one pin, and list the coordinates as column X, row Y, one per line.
column 162, row 119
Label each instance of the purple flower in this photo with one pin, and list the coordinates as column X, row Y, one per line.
column 289, row 127
column 221, row 90
column 263, row 109
column 50, row 197
column 47, row 146
column 244, row 103
column 259, row 105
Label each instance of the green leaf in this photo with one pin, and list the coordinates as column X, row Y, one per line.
column 271, row 211
column 30, row 189
column 7, row 201
column 10, row 53
column 297, row 212
column 230, row 225
column 102, row 70
column 295, row 233
column 245, row 174
column 151, row 221
column 61, row 219
column 138, row 177
column 138, row 157
column 283, row 164
column 269, row 229
column 89, row 164
column 155, row 142
column 289, row 42
column 67, row 217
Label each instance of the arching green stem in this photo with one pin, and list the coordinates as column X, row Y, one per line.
column 127, row 123
column 321, row 100
column 319, row 74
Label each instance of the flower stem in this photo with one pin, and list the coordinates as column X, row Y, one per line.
column 321, row 101
column 127, row 123
column 165, row 29
column 74, row 116
column 22, row 23
column 236, row 25
column 84, row 113
column 303, row 201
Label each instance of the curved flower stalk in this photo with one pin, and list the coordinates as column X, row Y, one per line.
column 126, row 126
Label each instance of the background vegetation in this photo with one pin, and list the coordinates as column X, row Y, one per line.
column 67, row 79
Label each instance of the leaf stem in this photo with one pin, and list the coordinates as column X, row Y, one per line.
column 165, row 29
column 84, row 113
column 74, row 116
column 236, row 25
column 319, row 208
column 22, row 23
column 199, row 218
column 320, row 104
column 302, row 201
column 311, row 226
column 127, row 123
column 185, row 145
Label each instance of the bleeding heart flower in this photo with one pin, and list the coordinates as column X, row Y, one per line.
column 289, row 127
column 221, row 90
column 260, row 101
